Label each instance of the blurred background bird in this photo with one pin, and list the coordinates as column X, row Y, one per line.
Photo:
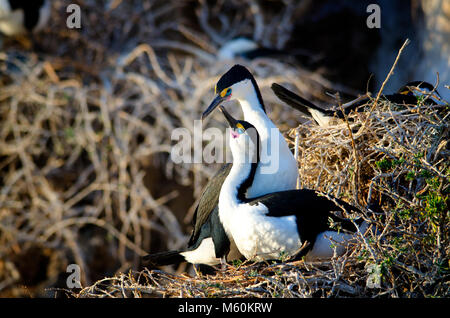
column 19, row 17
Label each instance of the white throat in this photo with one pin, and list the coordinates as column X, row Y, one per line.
column 229, row 203
column 229, row 190
column 254, row 114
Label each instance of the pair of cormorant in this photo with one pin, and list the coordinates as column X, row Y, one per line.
column 246, row 211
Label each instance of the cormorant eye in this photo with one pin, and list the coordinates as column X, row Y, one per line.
column 240, row 129
column 226, row 92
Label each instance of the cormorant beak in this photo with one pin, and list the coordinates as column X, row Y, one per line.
column 230, row 120
column 216, row 102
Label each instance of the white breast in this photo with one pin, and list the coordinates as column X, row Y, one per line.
column 258, row 236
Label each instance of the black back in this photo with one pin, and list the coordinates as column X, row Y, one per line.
column 314, row 212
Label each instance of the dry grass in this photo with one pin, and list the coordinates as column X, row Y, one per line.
column 294, row 279
column 86, row 122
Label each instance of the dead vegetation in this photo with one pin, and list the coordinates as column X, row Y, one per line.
column 86, row 126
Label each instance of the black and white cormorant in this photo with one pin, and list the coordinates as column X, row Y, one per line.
column 277, row 171
column 19, row 16
column 291, row 223
column 323, row 117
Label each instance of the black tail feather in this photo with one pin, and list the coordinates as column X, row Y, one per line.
column 163, row 258
column 296, row 101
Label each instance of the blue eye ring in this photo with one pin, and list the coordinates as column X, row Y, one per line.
column 240, row 131
column 228, row 92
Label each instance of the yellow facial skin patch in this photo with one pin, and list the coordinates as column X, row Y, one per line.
column 223, row 93
column 239, row 125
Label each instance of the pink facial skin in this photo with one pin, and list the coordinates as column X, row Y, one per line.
column 234, row 134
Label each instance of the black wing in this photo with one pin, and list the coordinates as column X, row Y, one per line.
column 313, row 211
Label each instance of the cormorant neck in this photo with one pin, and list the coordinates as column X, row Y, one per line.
column 255, row 114
column 253, row 107
column 246, row 183
column 258, row 94
column 233, row 192
column 234, row 189
column 251, row 100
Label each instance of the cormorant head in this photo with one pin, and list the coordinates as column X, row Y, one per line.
column 237, row 83
column 244, row 141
